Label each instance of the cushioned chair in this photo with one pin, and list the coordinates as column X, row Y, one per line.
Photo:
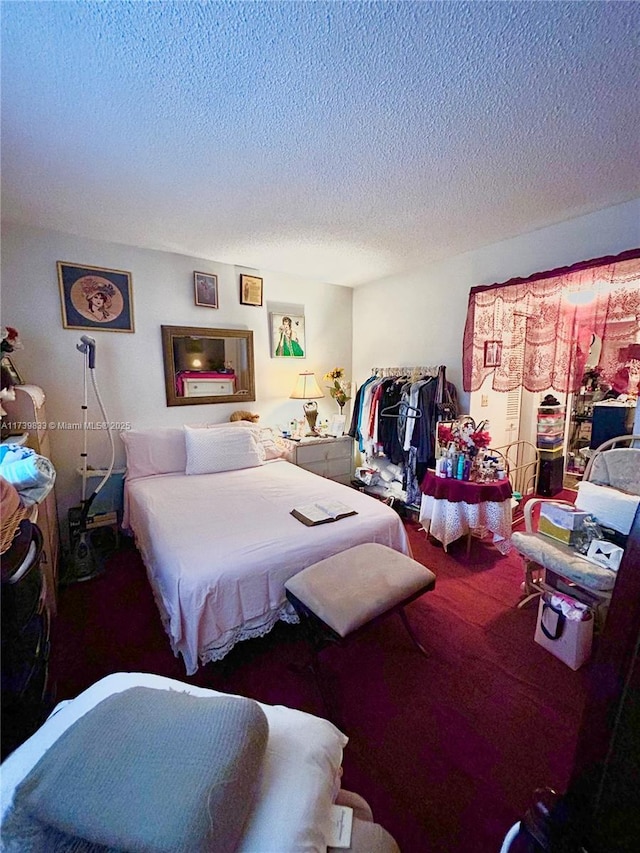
column 610, row 491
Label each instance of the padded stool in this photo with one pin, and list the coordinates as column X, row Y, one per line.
column 339, row 595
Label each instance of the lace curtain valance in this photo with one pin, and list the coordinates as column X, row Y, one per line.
column 546, row 323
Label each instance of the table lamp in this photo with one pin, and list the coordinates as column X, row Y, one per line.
column 307, row 388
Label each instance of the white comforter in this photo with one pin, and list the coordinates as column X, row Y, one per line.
column 219, row 548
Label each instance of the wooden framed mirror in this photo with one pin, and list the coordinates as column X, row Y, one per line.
column 207, row 365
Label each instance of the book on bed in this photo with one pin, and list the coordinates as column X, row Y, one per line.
column 322, row 512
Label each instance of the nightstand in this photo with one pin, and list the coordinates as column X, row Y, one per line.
column 329, row 457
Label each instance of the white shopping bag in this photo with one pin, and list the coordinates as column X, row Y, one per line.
column 567, row 639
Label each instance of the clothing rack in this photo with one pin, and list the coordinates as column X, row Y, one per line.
column 413, row 372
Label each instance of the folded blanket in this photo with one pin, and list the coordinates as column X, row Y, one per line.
column 32, row 475
column 21, row 834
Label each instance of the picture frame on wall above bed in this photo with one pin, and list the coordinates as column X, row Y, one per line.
column 95, row 298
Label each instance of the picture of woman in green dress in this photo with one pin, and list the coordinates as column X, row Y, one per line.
column 288, row 340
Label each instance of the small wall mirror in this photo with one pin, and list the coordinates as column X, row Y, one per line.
column 207, row 365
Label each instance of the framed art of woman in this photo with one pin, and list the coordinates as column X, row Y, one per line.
column 287, row 336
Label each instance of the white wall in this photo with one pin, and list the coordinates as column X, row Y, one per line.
column 410, row 320
column 418, row 319
column 129, row 367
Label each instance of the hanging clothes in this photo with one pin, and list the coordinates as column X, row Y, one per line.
column 395, row 415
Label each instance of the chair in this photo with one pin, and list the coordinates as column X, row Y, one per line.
column 522, row 466
column 610, row 491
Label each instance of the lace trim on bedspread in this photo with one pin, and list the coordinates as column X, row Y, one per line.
column 221, row 647
column 248, row 632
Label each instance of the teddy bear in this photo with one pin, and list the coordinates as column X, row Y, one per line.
column 242, row 415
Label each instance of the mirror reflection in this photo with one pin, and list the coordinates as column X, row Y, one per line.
column 207, row 365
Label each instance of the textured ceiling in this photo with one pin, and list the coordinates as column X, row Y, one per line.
column 344, row 141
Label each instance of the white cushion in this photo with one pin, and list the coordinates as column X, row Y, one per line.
column 563, row 560
column 611, row 507
column 210, row 451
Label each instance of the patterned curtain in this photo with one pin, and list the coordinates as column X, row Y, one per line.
column 546, row 323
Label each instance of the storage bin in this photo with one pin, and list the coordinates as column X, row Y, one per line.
column 549, row 429
column 549, row 442
column 569, row 640
column 548, row 455
column 551, row 420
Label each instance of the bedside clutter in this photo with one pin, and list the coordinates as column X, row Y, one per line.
column 561, row 522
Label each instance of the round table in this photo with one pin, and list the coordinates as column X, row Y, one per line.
column 452, row 508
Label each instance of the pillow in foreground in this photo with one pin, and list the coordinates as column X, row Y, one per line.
column 297, row 781
column 153, row 770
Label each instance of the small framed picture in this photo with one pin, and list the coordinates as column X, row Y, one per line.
column 206, row 288
column 337, row 425
column 250, row 290
column 492, row 353
column 9, row 369
column 287, row 336
column 95, row 298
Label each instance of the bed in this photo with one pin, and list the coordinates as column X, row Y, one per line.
column 219, row 546
column 139, row 761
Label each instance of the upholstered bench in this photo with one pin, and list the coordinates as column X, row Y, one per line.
column 341, row 594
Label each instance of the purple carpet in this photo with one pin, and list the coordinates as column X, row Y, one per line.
column 447, row 750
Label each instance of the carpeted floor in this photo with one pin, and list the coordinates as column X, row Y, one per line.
column 447, row 750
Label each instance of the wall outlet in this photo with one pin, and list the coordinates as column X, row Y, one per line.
column 484, row 400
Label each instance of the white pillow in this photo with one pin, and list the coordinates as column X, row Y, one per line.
column 212, row 450
column 298, row 779
column 159, row 450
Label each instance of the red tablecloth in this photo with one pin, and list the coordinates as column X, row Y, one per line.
column 450, row 489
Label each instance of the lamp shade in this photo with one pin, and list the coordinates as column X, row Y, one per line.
column 306, row 388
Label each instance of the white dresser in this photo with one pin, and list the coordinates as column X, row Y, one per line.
column 208, row 387
column 328, row 457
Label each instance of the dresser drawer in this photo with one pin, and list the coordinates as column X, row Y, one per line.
column 330, row 458
column 207, row 387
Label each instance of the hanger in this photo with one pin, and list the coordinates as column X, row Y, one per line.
column 407, row 409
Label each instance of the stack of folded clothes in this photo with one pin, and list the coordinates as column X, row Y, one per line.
column 29, row 473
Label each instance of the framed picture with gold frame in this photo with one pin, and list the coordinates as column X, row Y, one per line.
column 250, row 290
column 95, row 298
